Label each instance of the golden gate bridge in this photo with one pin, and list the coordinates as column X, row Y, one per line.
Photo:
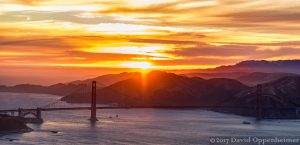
column 37, row 112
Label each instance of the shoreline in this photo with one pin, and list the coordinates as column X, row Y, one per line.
column 12, row 125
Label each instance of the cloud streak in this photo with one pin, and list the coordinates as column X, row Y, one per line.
column 168, row 33
column 29, row 2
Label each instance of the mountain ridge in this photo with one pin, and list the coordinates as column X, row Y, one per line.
column 165, row 89
column 289, row 66
column 255, row 78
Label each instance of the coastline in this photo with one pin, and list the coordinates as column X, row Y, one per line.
column 11, row 124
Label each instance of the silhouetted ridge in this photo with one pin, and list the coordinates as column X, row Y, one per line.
column 260, row 77
column 264, row 63
column 57, row 89
column 72, row 87
column 284, row 92
column 109, row 79
column 161, row 88
column 286, row 66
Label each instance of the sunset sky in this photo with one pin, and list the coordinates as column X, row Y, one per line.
column 55, row 37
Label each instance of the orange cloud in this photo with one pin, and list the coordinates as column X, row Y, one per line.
column 170, row 34
column 30, row 2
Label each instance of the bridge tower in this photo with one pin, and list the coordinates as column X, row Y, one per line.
column 38, row 113
column 259, row 99
column 93, row 103
column 20, row 112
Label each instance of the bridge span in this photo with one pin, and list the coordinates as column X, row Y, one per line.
column 37, row 112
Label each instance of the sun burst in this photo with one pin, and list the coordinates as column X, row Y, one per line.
column 140, row 65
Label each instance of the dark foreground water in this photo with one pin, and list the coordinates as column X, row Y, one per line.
column 136, row 126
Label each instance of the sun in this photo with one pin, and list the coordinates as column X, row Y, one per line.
column 140, row 65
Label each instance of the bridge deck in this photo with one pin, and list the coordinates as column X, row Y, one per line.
column 141, row 107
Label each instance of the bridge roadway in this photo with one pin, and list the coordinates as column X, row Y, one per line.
column 142, row 107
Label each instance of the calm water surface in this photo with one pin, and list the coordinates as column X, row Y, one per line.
column 136, row 126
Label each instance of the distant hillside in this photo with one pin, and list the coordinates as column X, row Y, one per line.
column 168, row 89
column 250, row 72
column 284, row 92
column 229, row 75
column 57, row 89
column 260, row 77
column 68, row 88
column 160, row 88
column 109, row 79
column 282, row 66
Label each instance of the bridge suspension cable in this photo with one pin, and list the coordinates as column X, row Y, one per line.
column 84, row 92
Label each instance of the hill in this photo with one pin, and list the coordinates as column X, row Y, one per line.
column 57, row 89
column 282, row 66
column 109, row 79
column 281, row 93
column 161, row 88
column 71, row 87
column 255, row 78
column 211, row 75
column 284, row 92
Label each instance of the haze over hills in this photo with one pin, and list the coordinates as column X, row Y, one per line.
column 287, row 66
column 249, row 66
column 281, row 93
column 169, row 89
column 161, row 88
column 250, row 77
column 63, row 89
column 282, row 67
column 56, row 89
column 255, row 78
column 284, row 92
column 231, row 71
column 109, row 79
column 210, row 75
column 252, row 72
